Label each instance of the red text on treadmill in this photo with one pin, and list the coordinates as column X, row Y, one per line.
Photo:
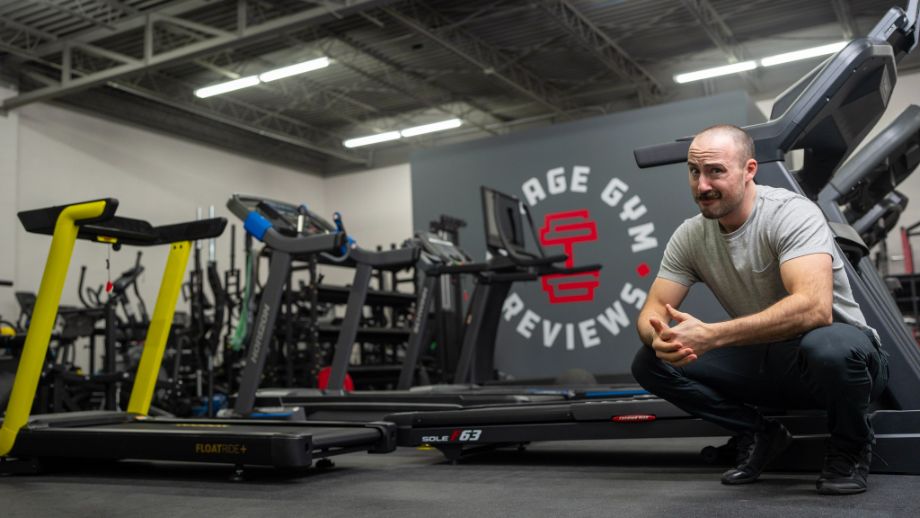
column 565, row 229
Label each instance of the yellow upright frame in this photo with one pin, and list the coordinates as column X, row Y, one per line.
column 158, row 332
column 43, row 317
column 45, row 313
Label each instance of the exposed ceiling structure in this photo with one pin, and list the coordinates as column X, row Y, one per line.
column 497, row 65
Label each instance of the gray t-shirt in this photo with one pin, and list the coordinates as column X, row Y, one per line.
column 742, row 267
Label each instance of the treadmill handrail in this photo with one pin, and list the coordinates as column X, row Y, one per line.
column 460, row 268
column 303, row 244
column 575, row 269
column 773, row 139
column 405, row 256
column 544, row 264
column 112, row 229
column 43, row 220
column 863, row 167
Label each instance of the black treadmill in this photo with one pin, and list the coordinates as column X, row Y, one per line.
column 26, row 440
column 441, row 258
column 827, row 113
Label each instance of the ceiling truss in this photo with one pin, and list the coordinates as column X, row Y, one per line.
column 497, row 65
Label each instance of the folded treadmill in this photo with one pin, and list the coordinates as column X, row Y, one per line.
column 26, row 440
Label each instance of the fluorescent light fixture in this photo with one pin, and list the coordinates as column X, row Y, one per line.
column 431, row 128
column 293, row 70
column 371, row 139
column 229, row 86
column 715, row 72
column 823, row 50
column 271, row 75
column 408, row 132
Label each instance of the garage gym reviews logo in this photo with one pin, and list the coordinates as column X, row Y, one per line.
column 566, row 229
column 578, row 232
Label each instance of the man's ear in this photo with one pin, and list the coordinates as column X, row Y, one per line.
column 750, row 169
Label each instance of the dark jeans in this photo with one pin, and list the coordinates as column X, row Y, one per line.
column 838, row 368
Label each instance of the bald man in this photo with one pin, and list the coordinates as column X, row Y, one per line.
column 795, row 339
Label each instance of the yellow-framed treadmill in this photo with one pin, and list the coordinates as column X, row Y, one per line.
column 27, row 439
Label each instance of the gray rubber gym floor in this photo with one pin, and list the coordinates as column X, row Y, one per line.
column 624, row 478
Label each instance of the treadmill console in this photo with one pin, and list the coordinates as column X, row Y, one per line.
column 441, row 250
column 289, row 220
column 504, row 225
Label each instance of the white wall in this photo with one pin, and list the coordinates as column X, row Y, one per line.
column 9, row 152
column 66, row 156
column 376, row 206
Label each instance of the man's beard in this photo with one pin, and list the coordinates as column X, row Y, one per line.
column 721, row 208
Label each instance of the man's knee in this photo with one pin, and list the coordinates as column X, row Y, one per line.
column 832, row 349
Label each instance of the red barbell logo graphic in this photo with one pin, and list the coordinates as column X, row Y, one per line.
column 565, row 229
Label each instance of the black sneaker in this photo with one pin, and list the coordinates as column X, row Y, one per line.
column 845, row 470
column 755, row 451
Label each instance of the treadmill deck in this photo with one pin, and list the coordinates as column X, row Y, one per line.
column 116, row 435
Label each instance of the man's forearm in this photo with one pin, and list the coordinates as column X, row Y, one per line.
column 645, row 329
column 789, row 317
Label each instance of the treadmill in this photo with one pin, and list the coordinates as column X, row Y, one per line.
column 827, row 113
column 27, row 440
column 511, row 262
column 441, row 258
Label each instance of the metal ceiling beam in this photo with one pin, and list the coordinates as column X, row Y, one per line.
column 7, row 3
column 304, row 93
column 716, row 28
column 152, row 115
column 348, row 51
column 16, row 51
column 189, row 51
column 76, row 14
column 489, row 12
column 845, row 17
column 618, row 94
column 664, row 17
column 126, row 24
column 227, row 110
column 492, row 61
column 718, row 31
column 13, row 24
column 120, row 7
column 612, row 106
column 603, row 48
